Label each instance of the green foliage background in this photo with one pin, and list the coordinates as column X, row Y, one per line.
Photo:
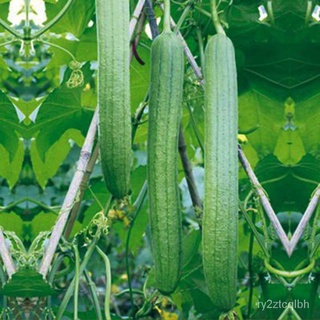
column 43, row 124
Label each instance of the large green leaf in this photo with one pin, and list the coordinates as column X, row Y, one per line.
column 62, row 110
column 76, row 19
column 10, row 168
column 12, row 222
column 44, row 170
column 9, row 125
column 27, row 283
column 140, row 74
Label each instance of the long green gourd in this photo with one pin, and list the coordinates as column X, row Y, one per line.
column 165, row 107
column 220, row 219
column 114, row 94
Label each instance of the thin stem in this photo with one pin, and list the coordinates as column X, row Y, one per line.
column 316, row 247
column 93, row 291
column 250, row 269
column 4, row 309
column 77, row 280
column 247, row 199
column 2, row 276
column 295, row 313
column 13, row 204
column 137, row 205
column 138, row 115
column 123, row 292
column 58, row 47
column 314, row 228
column 270, row 11
column 166, row 22
column 263, row 219
column 4, row 298
column 27, row 7
column 284, row 314
column 287, row 311
column 7, row 27
column 186, row 49
column 55, row 266
column 42, row 205
column 254, row 230
column 184, row 15
column 105, row 209
column 108, row 284
column 289, row 274
column 308, row 12
column 38, row 203
column 204, row 12
column 215, row 18
column 7, row 43
column 195, row 128
column 190, row 57
column 70, row 290
column 201, row 47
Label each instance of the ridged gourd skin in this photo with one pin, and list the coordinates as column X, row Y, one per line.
column 114, row 94
column 165, row 109
column 220, row 218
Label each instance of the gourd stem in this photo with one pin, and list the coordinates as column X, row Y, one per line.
column 184, row 15
column 166, row 23
column 308, row 12
column 215, row 18
column 58, row 47
column 11, row 30
column 289, row 274
column 270, row 11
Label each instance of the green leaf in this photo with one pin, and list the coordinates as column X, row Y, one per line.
column 27, row 108
column 60, row 57
column 54, row 157
column 307, row 117
column 259, row 111
column 27, row 283
column 87, row 46
column 10, row 170
column 298, row 182
column 45, row 222
column 76, row 19
column 4, row 10
column 190, row 245
column 9, row 124
column 62, row 110
column 140, row 75
column 12, row 222
column 139, row 229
